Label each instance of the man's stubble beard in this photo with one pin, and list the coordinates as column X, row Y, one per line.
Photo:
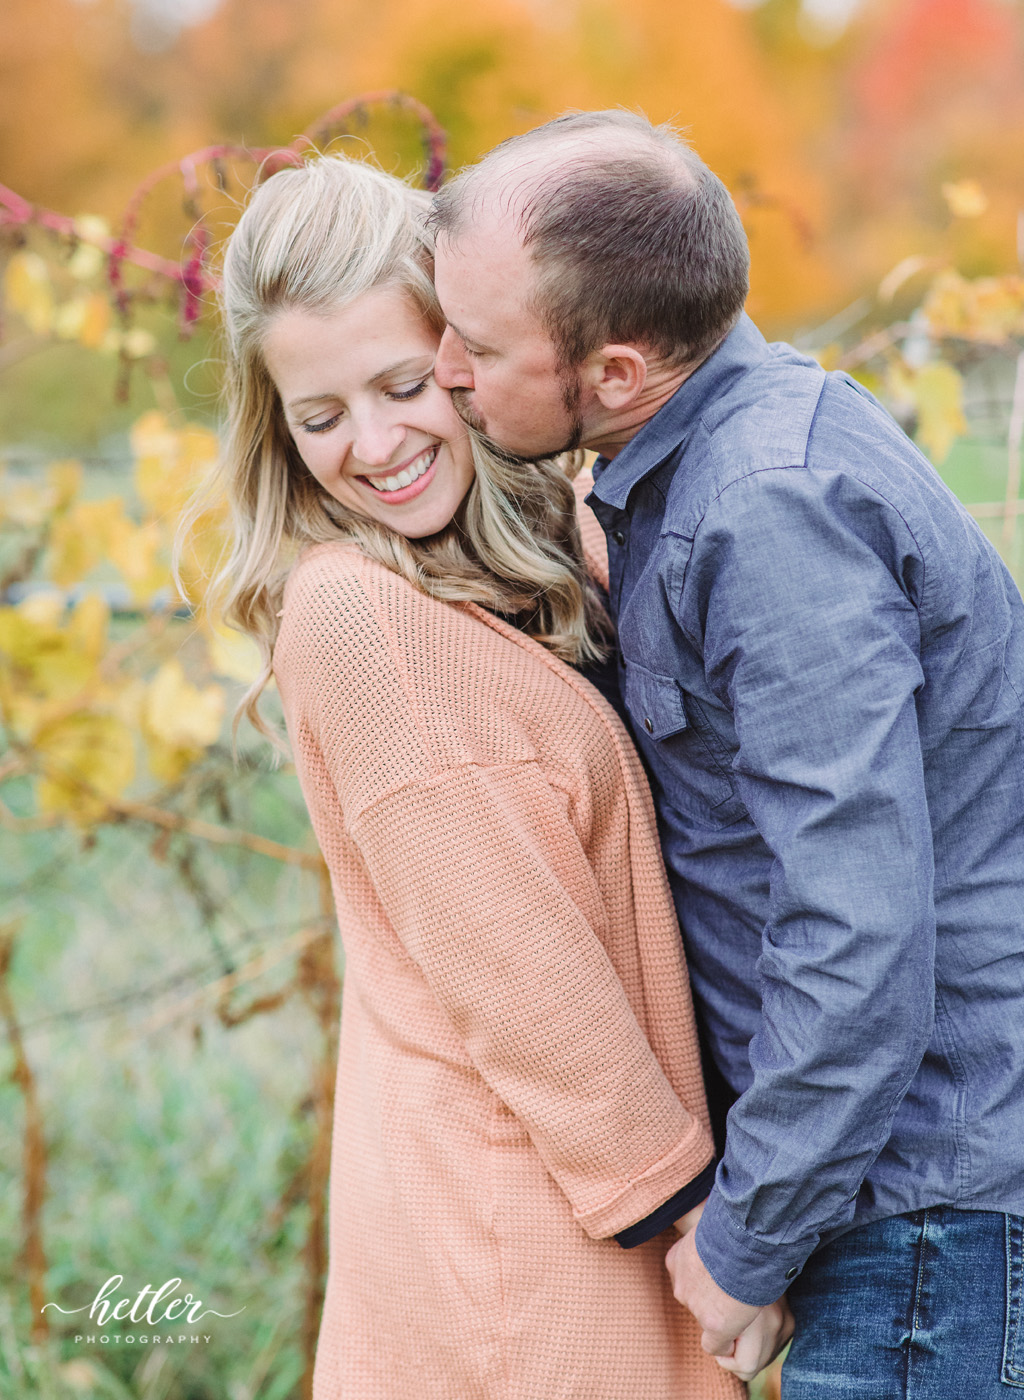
column 572, row 394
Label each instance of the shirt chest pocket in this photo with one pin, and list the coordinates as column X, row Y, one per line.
column 690, row 759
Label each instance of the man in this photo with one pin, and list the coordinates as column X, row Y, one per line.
column 823, row 661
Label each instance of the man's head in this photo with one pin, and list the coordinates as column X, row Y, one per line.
column 585, row 268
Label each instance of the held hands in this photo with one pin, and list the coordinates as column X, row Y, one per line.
column 742, row 1338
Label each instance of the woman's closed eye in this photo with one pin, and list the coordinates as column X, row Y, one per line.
column 322, row 426
column 410, row 393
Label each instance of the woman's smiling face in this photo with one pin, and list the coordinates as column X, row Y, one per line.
column 358, row 394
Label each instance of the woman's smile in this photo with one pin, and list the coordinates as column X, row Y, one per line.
column 409, row 480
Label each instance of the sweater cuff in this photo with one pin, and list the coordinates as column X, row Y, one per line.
column 691, row 1195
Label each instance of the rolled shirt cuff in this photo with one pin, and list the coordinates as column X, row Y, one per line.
column 691, row 1195
column 749, row 1269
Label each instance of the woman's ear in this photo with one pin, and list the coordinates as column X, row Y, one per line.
column 617, row 375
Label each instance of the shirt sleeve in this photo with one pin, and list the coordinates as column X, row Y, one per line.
column 667, row 1214
column 482, row 875
column 800, row 588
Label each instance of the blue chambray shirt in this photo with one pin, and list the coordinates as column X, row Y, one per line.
column 823, row 663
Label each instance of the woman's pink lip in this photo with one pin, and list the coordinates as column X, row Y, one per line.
column 405, row 493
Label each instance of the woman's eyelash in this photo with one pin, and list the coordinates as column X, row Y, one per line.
column 321, row 427
column 409, row 393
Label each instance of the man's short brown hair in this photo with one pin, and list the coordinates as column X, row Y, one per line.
column 635, row 240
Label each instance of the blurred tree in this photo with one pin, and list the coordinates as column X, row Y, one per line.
column 935, row 96
column 836, row 144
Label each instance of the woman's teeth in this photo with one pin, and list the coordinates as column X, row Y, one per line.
column 406, row 477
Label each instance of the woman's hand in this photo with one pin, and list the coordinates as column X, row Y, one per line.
column 759, row 1343
column 688, row 1222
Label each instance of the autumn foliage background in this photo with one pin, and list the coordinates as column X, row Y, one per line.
column 169, row 968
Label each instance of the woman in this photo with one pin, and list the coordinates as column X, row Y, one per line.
column 518, row 1078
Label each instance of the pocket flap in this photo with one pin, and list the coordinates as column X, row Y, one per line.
column 654, row 701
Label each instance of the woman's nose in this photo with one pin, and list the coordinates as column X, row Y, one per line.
column 375, row 441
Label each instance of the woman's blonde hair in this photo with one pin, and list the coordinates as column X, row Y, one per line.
column 314, row 238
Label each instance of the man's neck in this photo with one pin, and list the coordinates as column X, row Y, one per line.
column 615, row 430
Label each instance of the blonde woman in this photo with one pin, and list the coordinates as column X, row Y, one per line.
column 518, row 1080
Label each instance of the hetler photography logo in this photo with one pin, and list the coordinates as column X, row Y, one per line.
column 165, row 1305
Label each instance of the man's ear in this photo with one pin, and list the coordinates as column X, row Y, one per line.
column 617, row 375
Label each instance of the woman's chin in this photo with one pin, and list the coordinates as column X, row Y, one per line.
column 427, row 523
column 429, row 515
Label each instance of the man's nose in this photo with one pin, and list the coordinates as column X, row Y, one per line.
column 452, row 369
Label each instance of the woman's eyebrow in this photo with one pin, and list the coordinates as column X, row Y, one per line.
column 400, row 366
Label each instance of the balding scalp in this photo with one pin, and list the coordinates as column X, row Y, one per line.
column 634, row 239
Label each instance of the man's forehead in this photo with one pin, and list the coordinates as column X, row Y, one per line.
column 490, row 254
column 487, row 299
column 485, row 230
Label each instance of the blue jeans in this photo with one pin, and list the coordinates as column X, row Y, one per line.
column 922, row 1306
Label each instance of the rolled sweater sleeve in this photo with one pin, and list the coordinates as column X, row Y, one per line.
column 800, row 589
column 477, row 870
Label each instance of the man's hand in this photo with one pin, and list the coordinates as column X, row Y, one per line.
column 742, row 1338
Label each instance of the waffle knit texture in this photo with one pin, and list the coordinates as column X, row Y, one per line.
column 518, row 1076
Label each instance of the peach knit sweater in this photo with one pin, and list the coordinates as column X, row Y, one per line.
column 518, row 1076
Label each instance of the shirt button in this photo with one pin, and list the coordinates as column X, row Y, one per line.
column 648, row 725
column 792, row 1273
column 618, row 537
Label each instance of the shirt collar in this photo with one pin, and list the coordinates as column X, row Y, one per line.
column 742, row 349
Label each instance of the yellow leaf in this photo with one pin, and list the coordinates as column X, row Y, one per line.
column 170, row 463
column 85, row 319
column 95, row 321
column 81, row 539
column 28, row 505
column 27, row 290
column 233, row 654
column 938, row 396
column 871, row 380
column 68, row 318
column 180, row 720
column 137, row 344
column 134, row 549
column 65, row 480
column 86, row 262
column 202, row 555
column 44, row 609
column 966, row 199
column 91, row 226
column 87, row 759
column 89, row 625
column 40, row 659
column 985, row 309
column 128, row 702
column 168, row 761
column 181, row 714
